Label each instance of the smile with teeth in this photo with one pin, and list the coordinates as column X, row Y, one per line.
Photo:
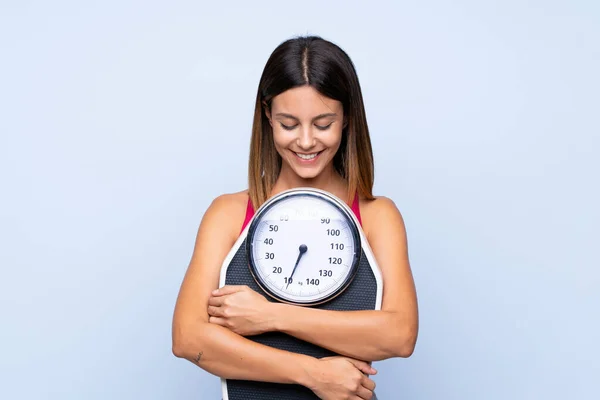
column 307, row 156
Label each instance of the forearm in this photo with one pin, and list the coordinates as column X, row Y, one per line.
column 366, row 335
column 226, row 354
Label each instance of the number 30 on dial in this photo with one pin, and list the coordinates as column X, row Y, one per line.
column 303, row 246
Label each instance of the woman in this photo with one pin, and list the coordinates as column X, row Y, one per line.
column 310, row 130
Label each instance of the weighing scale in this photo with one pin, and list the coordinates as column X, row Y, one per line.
column 303, row 247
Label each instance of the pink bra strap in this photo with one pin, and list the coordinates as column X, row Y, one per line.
column 250, row 211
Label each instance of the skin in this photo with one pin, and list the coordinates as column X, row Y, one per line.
column 210, row 324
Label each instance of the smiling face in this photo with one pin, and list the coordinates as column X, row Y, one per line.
column 307, row 131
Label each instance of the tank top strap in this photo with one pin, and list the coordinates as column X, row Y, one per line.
column 250, row 211
column 249, row 214
column 356, row 208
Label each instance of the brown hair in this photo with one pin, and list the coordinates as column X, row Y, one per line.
column 313, row 61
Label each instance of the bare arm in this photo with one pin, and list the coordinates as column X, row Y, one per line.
column 365, row 335
column 212, row 347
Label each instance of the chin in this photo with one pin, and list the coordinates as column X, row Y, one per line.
column 307, row 173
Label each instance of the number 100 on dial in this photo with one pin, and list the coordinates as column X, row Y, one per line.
column 304, row 247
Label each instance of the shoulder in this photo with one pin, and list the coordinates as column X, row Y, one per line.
column 380, row 207
column 226, row 212
column 230, row 202
column 380, row 214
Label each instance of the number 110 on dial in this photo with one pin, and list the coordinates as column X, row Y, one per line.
column 303, row 248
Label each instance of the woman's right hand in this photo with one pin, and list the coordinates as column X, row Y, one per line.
column 341, row 378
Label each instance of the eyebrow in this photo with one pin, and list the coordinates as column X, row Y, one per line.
column 314, row 119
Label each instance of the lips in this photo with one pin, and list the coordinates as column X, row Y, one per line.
column 308, row 156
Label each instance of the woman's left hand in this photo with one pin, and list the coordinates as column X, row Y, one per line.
column 240, row 309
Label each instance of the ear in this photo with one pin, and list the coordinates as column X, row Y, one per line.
column 267, row 112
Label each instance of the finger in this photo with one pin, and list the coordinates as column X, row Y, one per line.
column 370, row 364
column 228, row 289
column 215, row 311
column 217, row 321
column 363, row 366
column 368, row 383
column 216, row 301
column 364, row 393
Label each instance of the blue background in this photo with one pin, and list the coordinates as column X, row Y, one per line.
column 120, row 121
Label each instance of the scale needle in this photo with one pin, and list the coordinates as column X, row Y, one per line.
column 303, row 248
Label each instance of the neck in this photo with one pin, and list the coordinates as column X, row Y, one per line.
column 328, row 180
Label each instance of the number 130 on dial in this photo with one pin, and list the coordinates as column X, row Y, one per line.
column 303, row 248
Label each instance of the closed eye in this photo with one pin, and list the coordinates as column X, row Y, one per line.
column 323, row 128
column 287, row 127
column 291, row 127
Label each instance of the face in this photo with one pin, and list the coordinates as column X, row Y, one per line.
column 307, row 130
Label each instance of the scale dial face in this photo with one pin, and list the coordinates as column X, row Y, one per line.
column 303, row 247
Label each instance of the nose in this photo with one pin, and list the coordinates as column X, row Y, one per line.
column 306, row 139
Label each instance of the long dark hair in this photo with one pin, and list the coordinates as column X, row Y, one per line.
column 311, row 60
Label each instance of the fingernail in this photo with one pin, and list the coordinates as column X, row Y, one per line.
column 216, row 291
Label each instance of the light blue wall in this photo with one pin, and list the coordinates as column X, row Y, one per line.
column 121, row 121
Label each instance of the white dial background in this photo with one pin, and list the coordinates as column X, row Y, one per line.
column 326, row 233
